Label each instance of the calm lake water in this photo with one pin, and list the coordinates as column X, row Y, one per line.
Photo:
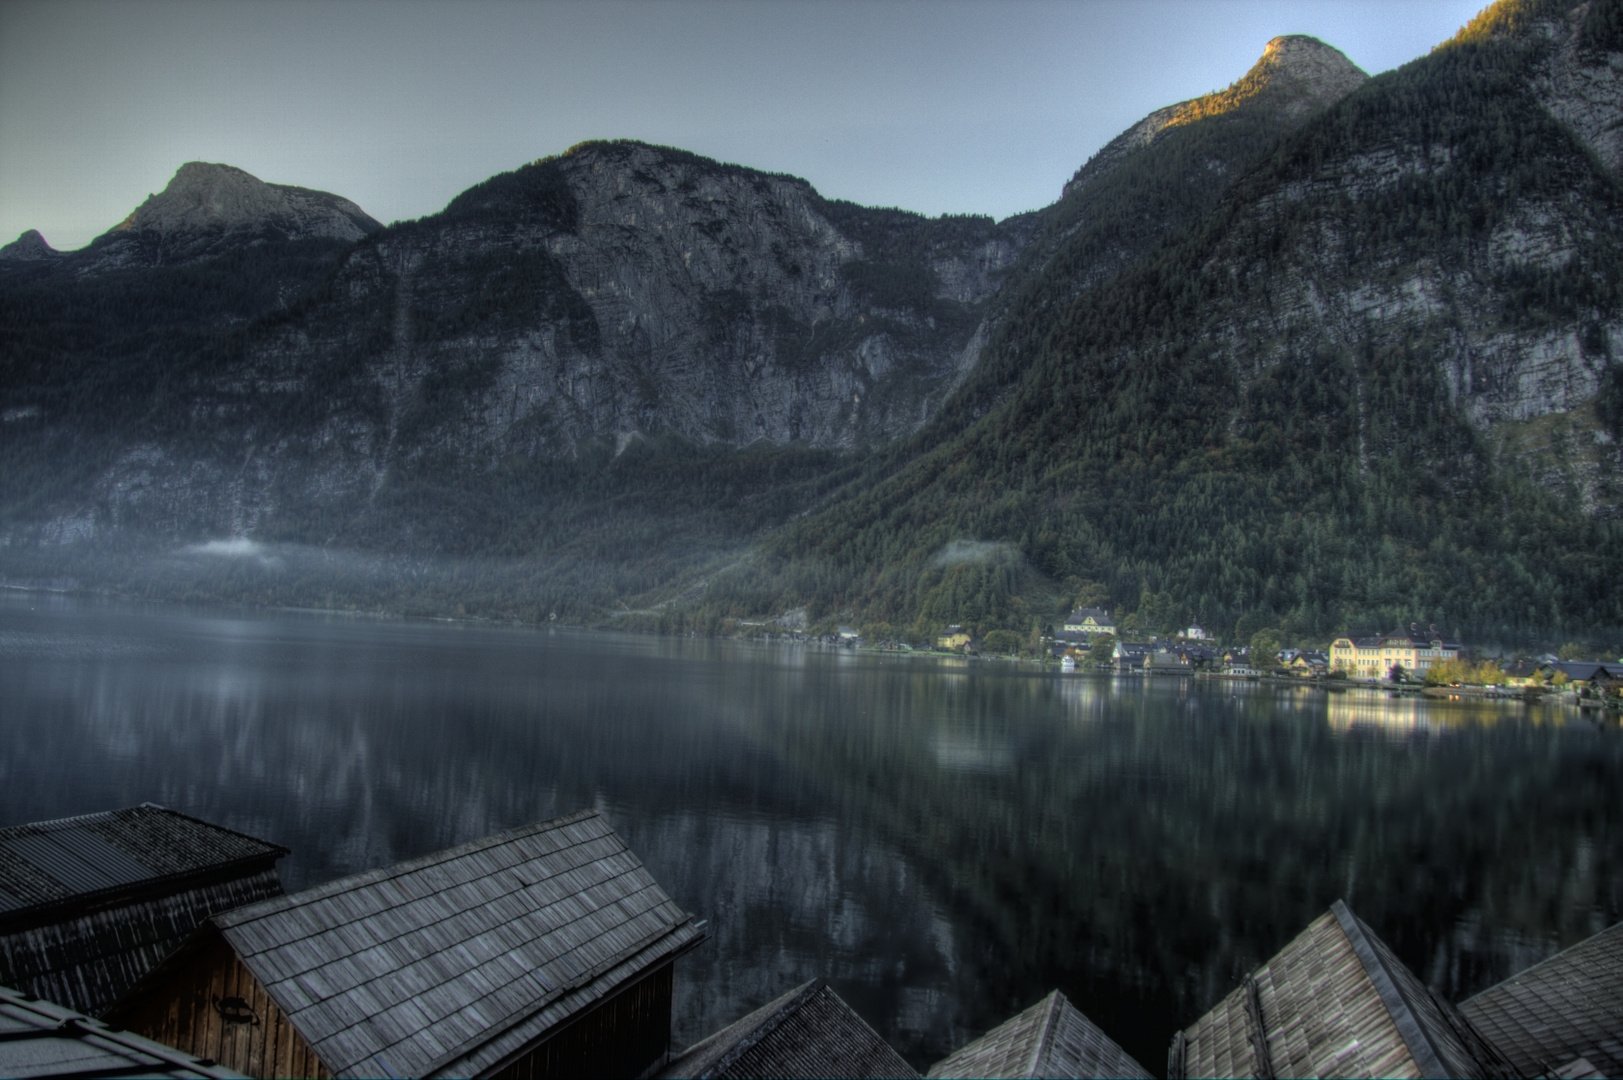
column 944, row 841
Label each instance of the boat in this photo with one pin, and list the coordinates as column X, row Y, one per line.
column 1067, row 663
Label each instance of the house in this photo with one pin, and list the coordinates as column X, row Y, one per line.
column 1089, row 621
column 90, row 904
column 1129, row 656
column 1308, row 662
column 541, row 951
column 808, row 1032
column 955, row 639
column 1522, row 673
column 1195, row 633
column 1559, row 1017
column 1373, row 656
column 1196, row 655
column 1165, row 662
column 1334, row 1002
column 1052, row 1038
column 41, row 1039
column 1587, row 673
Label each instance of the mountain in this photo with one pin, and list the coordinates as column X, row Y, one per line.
column 1317, row 348
column 28, row 247
column 510, row 347
column 1376, row 381
column 207, row 210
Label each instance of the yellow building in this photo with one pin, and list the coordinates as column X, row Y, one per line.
column 1371, row 656
column 954, row 639
column 1089, row 620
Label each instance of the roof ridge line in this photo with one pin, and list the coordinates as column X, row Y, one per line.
column 1415, row 1036
column 1552, row 958
column 210, row 824
column 1045, row 1035
column 352, row 882
column 766, row 1027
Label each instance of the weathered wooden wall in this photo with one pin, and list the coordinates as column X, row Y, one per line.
column 622, row 1036
column 178, row 1009
column 88, row 960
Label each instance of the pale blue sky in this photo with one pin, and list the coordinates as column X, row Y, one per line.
column 937, row 107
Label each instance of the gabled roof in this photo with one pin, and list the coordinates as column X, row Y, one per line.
column 808, row 1032
column 42, row 1039
column 1569, row 1007
column 1587, row 670
column 1098, row 615
column 50, row 869
column 1051, row 1038
column 1334, row 1002
column 454, row 962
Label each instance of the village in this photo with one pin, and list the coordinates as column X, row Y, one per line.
column 142, row 941
column 1413, row 659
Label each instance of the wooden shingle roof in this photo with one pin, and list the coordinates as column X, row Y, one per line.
column 1050, row 1039
column 453, row 963
column 1334, row 1002
column 808, row 1032
column 1560, row 1015
column 41, row 1039
column 50, row 868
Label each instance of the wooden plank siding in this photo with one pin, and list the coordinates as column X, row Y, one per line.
column 626, row 1035
column 177, row 1008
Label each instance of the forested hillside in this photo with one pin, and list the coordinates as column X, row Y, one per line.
column 1289, row 409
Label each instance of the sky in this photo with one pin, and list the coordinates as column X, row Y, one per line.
column 930, row 105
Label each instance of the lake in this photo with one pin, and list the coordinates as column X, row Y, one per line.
column 945, row 841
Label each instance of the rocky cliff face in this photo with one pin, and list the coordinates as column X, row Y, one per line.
column 625, row 290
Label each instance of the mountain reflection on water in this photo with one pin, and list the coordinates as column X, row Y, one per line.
column 945, row 841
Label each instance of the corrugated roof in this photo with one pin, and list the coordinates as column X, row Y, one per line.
column 454, row 962
column 40, row 1039
column 808, row 1032
column 1560, row 1015
column 1052, row 1038
column 49, row 866
column 1334, row 1002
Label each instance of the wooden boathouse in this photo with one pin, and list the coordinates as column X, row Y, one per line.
column 1052, row 1038
column 90, row 904
column 543, row 951
column 808, row 1032
column 1334, row 1002
column 1562, row 1017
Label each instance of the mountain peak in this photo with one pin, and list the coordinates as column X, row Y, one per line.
column 1312, row 73
column 28, row 247
column 1296, row 75
column 205, row 197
